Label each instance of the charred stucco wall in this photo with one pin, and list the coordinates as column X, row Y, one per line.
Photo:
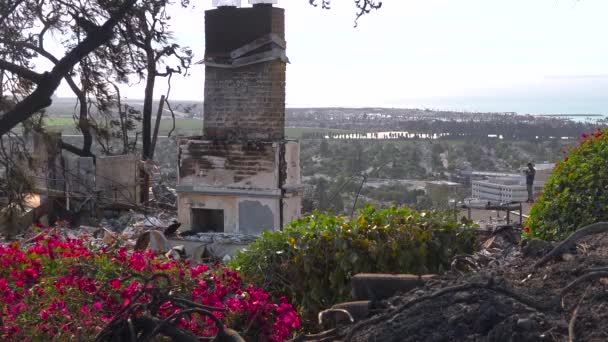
column 249, row 165
column 245, row 103
column 292, row 164
column 243, row 213
column 258, row 214
column 256, row 184
column 290, row 182
column 292, row 207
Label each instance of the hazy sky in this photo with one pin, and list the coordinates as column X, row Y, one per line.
column 435, row 53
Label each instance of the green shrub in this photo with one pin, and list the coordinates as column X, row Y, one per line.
column 576, row 194
column 313, row 259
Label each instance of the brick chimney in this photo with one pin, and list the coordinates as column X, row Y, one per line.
column 242, row 176
column 245, row 73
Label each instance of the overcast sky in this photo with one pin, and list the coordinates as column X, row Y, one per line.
column 432, row 53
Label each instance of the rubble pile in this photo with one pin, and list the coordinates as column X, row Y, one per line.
column 507, row 291
column 237, row 239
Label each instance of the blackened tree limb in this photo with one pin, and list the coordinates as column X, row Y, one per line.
column 21, row 71
column 582, row 279
column 83, row 122
column 596, row 228
column 73, row 149
column 49, row 82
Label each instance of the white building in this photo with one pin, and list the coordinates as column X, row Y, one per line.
column 511, row 188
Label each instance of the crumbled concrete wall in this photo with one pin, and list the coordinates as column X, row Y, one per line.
column 116, row 178
column 46, row 155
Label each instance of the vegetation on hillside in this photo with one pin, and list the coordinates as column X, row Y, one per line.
column 576, row 194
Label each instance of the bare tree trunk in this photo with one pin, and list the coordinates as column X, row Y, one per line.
column 147, row 124
column 159, row 115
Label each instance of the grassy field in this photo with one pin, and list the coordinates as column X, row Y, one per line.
column 182, row 126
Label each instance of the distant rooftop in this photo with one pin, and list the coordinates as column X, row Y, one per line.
column 544, row 166
column 443, row 182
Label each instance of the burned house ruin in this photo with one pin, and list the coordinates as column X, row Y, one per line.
column 241, row 175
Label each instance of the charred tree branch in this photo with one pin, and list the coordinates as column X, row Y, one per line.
column 49, row 82
column 596, row 228
column 22, row 71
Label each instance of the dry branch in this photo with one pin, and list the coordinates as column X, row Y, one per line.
column 596, row 228
column 571, row 332
column 582, row 279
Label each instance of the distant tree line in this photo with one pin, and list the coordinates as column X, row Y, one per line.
column 453, row 129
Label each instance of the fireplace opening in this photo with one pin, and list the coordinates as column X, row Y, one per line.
column 207, row 220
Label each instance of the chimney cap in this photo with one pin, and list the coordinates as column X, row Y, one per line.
column 260, row 2
column 226, row 3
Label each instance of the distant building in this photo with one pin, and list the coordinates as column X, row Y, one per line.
column 511, row 188
column 440, row 192
column 467, row 177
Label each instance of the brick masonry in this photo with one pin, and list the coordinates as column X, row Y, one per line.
column 245, row 103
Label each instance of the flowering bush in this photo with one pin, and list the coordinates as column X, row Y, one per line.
column 576, row 194
column 62, row 289
column 314, row 258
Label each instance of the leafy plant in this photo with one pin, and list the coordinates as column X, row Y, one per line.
column 576, row 193
column 63, row 289
column 313, row 260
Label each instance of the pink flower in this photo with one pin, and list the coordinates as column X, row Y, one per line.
column 115, row 284
column 198, row 270
column 137, row 262
column 98, row 306
column 44, row 315
column 85, row 310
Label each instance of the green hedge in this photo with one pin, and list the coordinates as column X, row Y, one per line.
column 576, row 194
column 314, row 258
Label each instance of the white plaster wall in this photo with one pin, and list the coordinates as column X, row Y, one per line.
column 292, row 208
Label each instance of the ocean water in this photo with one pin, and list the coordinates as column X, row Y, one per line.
column 542, row 106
